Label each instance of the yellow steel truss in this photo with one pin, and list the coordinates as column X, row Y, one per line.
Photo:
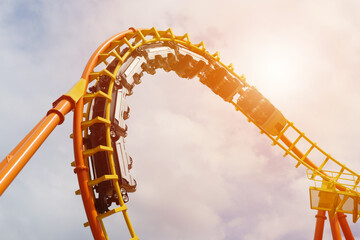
column 340, row 186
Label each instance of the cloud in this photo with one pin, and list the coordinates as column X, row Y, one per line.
column 203, row 172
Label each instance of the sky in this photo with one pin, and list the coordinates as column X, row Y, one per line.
column 203, row 171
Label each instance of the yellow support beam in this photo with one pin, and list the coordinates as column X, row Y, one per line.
column 87, row 124
column 77, row 91
column 111, row 212
column 90, row 96
column 102, row 179
column 99, row 148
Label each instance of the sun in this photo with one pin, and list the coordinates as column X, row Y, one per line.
column 278, row 67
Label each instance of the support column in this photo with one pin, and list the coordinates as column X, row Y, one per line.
column 31, row 144
column 320, row 221
column 335, row 228
column 21, row 154
column 345, row 227
column 9, row 157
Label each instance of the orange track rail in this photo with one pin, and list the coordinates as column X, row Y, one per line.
column 80, row 167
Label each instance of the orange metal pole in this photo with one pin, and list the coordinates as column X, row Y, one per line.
column 345, row 226
column 10, row 155
column 33, row 142
column 319, row 229
column 335, row 228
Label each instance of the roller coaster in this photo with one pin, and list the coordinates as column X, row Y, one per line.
column 102, row 164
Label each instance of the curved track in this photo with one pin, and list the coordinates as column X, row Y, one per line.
column 117, row 66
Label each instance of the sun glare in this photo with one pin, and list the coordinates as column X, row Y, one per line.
column 278, row 67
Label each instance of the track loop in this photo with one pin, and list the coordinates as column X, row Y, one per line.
column 126, row 59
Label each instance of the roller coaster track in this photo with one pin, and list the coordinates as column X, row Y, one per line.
column 117, row 65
